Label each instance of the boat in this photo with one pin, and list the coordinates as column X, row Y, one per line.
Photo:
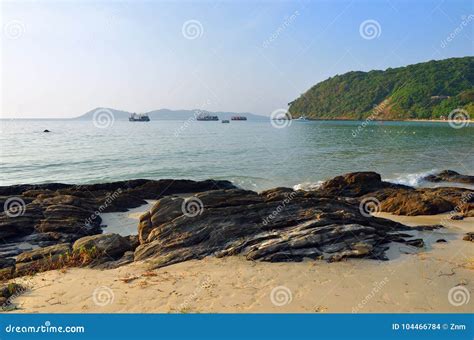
column 207, row 117
column 226, row 121
column 238, row 118
column 139, row 117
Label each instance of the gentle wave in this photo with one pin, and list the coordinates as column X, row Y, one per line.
column 412, row 179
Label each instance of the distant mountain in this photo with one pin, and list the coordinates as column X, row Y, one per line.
column 421, row 91
column 166, row 114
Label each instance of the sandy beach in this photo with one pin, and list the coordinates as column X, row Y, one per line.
column 414, row 280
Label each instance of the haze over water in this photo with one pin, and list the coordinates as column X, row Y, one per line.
column 253, row 155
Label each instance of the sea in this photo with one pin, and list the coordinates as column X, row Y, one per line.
column 253, row 155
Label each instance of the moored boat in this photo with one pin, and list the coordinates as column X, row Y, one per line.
column 238, row 118
column 139, row 117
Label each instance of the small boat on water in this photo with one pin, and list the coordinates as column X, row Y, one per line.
column 225, row 121
column 139, row 117
column 302, row 118
column 238, row 118
column 206, row 118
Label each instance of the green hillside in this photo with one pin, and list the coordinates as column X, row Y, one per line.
column 420, row 91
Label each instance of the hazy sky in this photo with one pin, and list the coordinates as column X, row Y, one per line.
column 63, row 58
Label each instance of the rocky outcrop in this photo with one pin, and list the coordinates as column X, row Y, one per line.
column 111, row 246
column 276, row 225
column 192, row 220
column 41, row 259
column 357, row 184
column 400, row 199
column 469, row 237
column 44, row 215
column 450, row 176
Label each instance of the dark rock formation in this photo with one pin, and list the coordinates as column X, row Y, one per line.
column 110, row 246
column 41, row 259
column 356, row 184
column 276, row 225
column 450, row 176
column 400, row 199
column 45, row 215
column 213, row 218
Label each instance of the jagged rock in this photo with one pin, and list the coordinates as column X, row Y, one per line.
column 108, row 246
column 57, row 213
column 133, row 240
column 356, row 184
column 276, row 225
column 450, row 176
column 425, row 201
column 400, row 199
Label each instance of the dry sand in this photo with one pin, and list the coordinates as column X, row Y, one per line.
column 419, row 282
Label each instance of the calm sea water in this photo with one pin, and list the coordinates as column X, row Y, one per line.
column 253, row 155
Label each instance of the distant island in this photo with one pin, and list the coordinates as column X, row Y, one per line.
column 428, row 90
column 166, row 114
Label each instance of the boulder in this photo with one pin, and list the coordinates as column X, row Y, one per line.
column 42, row 253
column 356, row 184
column 111, row 246
column 450, row 176
column 41, row 259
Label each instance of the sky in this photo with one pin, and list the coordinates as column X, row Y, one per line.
column 60, row 59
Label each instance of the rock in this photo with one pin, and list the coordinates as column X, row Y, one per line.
column 457, row 217
column 469, row 237
column 41, row 259
column 108, row 246
column 8, row 290
column 276, row 225
column 419, row 243
column 450, row 176
column 46, row 130
column 356, row 184
column 133, row 240
column 399, row 199
column 125, row 259
column 441, row 240
column 42, row 253
column 423, row 201
column 7, row 267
